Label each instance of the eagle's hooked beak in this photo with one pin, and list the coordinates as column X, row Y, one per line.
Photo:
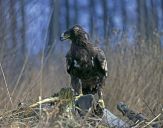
column 64, row 36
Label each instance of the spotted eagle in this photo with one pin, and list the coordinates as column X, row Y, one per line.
column 86, row 63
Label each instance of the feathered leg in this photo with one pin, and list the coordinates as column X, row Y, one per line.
column 100, row 95
column 77, row 86
column 100, row 92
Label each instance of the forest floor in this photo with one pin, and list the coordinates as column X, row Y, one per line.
column 60, row 111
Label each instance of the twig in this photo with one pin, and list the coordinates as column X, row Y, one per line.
column 20, row 75
column 149, row 107
column 40, row 106
column 138, row 124
column 52, row 99
column 6, row 83
column 41, row 78
column 152, row 120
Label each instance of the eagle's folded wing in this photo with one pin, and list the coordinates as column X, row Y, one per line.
column 69, row 62
column 101, row 60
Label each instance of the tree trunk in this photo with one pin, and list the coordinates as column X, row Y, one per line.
column 13, row 24
column 76, row 9
column 91, row 17
column 52, row 28
column 67, row 14
column 3, row 32
column 124, row 15
column 141, row 9
column 105, row 18
column 23, row 27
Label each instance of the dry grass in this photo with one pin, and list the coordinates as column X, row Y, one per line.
column 136, row 74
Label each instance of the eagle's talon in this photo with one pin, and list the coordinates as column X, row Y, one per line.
column 77, row 97
column 101, row 103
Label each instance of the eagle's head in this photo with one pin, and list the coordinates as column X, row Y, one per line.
column 74, row 33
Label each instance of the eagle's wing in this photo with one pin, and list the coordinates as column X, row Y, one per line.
column 69, row 62
column 101, row 61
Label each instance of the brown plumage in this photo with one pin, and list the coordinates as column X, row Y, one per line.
column 86, row 63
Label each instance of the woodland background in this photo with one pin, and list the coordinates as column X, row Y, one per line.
column 33, row 59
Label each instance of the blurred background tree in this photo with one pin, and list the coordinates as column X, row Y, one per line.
column 22, row 20
column 130, row 32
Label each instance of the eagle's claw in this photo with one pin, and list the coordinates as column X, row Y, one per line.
column 101, row 103
column 77, row 97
